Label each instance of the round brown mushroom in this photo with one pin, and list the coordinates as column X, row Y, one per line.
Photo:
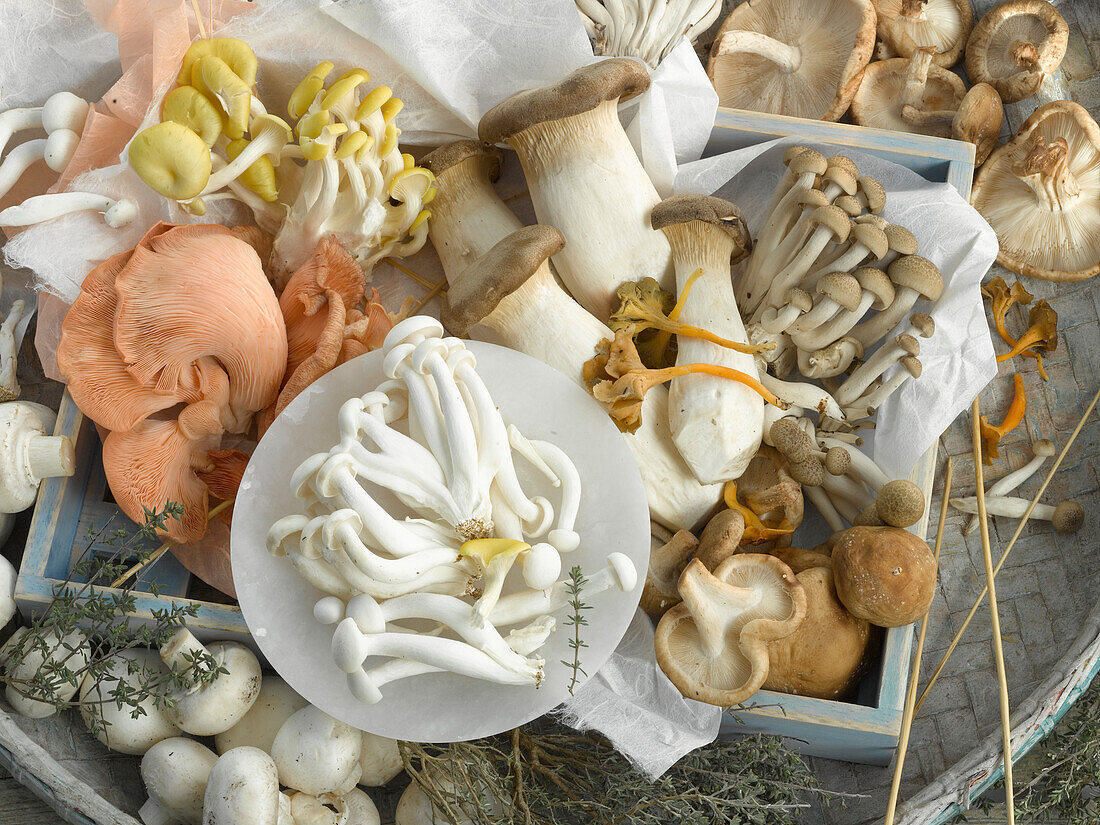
column 908, row 94
column 885, row 575
column 714, row 645
column 825, row 656
column 979, row 120
column 1015, row 46
column 789, row 57
column 900, row 503
column 799, row 558
column 942, row 25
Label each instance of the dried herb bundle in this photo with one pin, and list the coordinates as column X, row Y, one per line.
column 84, row 611
column 545, row 774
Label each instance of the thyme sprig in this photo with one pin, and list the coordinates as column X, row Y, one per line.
column 86, row 615
column 576, row 620
column 545, row 774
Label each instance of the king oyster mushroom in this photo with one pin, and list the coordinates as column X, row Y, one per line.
column 789, row 57
column 585, row 178
column 1015, row 46
column 908, row 25
column 1041, row 194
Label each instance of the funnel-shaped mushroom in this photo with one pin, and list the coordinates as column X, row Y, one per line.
column 793, row 58
column 1015, row 46
column 585, row 178
column 942, row 25
column 714, row 645
column 1041, row 194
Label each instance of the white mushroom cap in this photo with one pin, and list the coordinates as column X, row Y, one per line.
column 243, row 786
column 275, row 703
column 908, row 25
column 69, row 650
column 1015, row 46
column 175, row 772
column 123, row 732
column 380, row 760
column 1041, row 194
column 317, row 754
column 791, row 57
column 217, row 706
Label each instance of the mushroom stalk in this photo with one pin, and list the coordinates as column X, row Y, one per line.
column 1042, row 450
column 788, row 58
column 1045, row 170
column 1067, row 516
column 42, row 208
column 882, row 359
column 57, row 150
column 802, row 395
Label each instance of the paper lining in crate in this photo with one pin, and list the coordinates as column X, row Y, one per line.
column 70, row 511
column 865, row 729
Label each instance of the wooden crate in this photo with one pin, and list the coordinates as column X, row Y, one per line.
column 867, row 729
column 70, row 510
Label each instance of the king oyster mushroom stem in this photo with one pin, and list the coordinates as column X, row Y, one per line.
column 1041, row 450
column 645, row 31
column 502, row 290
column 585, row 178
column 1067, row 517
column 716, row 424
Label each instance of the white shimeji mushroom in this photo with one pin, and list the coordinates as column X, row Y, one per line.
column 645, row 30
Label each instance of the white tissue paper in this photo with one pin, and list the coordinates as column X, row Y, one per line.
column 958, row 360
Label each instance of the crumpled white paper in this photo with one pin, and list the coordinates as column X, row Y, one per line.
column 633, row 704
column 959, row 359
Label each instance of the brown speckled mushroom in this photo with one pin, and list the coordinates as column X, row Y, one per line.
column 908, row 25
column 792, row 58
column 1015, row 46
column 714, row 645
column 1041, row 194
column 585, row 178
column 720, row 538
column 914, row 278
column 666, row 564
column 885, row 575
column 900, row 503
column 825, row 656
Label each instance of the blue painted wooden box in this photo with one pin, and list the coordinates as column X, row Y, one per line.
column 70, row 510
column 867, row 729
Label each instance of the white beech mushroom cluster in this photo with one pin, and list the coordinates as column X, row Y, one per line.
column 829, row 282
column 473, row 524
column 647, row 30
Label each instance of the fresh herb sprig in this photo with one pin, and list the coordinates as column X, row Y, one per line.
column 83, row 629
column 576, row 620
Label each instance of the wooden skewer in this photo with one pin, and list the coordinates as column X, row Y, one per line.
column 994, row 612
column 435, row 290
column 198, row 18
column 1008, row 549
column 420, row 279
column 160, row 551
column 911, row 695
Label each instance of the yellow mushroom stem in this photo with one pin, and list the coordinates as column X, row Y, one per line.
column 991, row 435
column 756, row 531
column 1001, row 299
column 1045, row 169
column 1042, row 332
column 485, row 550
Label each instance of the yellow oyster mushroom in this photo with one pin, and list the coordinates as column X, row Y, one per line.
column 351, row 144
column 306, row 92
column 344, row 87
column 260, row 176
column 171, row 159
column 236, row 53
column 496, row 557
column 316, row 134
column 188, row 106
column 213, row 77
column 373, row 101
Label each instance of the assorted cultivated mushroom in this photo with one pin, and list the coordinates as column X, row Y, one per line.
column 645, row 30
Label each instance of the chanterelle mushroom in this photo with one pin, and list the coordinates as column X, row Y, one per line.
column 908, row 25
column 1041, row 194
column 790, row 57
column 714, row 645
column 1015, row 46
column 585, row 178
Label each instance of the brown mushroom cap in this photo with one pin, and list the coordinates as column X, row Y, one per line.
column 825, row 656
column 496, row 274
column 979, row 120
column 873, row 238
column 720, row 538
column 1015, row 45
column 1069, row 517
column 835, row 42
column 438, row 161
column 885, row 575
column 881, row 95
column 616, row 78
column 666, row 564
column 842, row 288
column 837, row 460
column 908, row 25
column 900, row 503
column 919, row 274
column 791, row 440
column 809, row 472
column 901, row 240
column 805, row 161
column 1040, row 193
column 850, row 204
column 878, row 284
column 712, row 211
column 799, row 559
column 924, row 324
column 714, row 645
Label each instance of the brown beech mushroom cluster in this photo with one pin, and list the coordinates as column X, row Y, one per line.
column 1041, row 194
column 186, row 320
column 885, row 575
column 794, row 58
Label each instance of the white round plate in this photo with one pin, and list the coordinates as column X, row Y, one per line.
column 441, row 707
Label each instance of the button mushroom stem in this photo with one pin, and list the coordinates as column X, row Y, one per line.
column 1041, row 450
column 861, row 465
column 1066, row 517
column 991, row 435
column 867, row 403
column 803, row 395
column 786, row 57
column 820, row 499
column 914, row 277
column 829, row 224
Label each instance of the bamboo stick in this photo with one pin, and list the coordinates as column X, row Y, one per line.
column 911, row 694
column 1008, row 549
column 994, row 612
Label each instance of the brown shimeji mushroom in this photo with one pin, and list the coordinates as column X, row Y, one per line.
column 885, row 575
column 825, row 657
column 1015, row 46
column 1041, row 194
column 991, row 435
column 714, row 645
column 908, row 25
column 794, row 58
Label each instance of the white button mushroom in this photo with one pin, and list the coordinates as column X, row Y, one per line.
column 175, row 772
column 207, row 709
column 69, row 651
column 243, row 787
column 380, row 760
column 317, row 754
column 118, row 728
column 28, row 455
column 275, row 703
column 353, row 808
